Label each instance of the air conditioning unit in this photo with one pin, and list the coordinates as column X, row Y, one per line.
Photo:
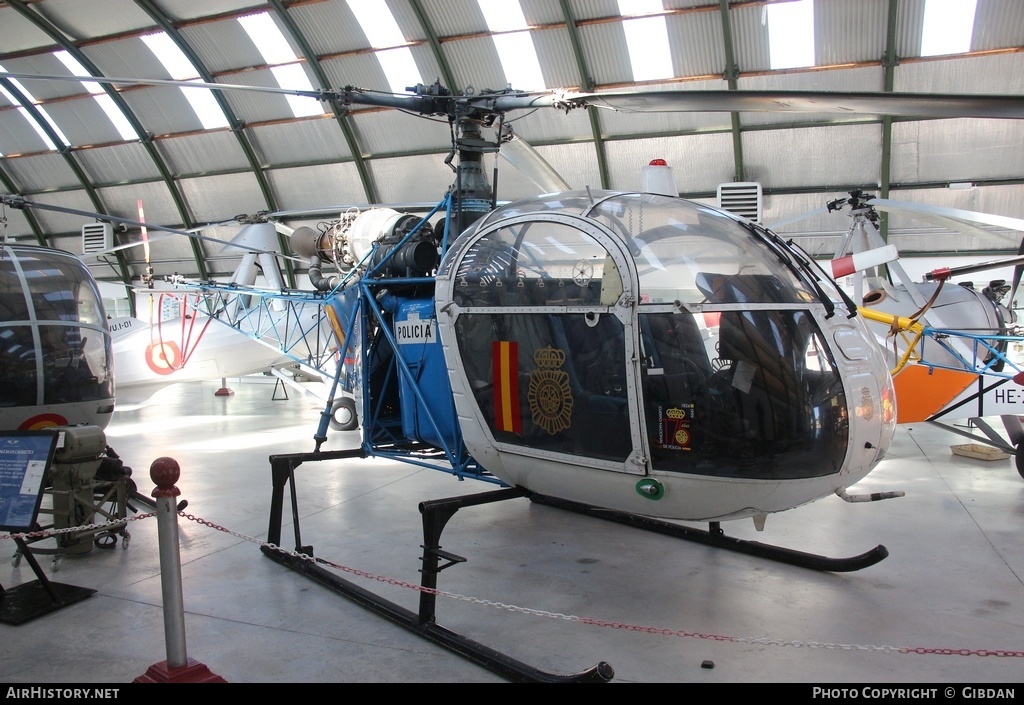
column 97, row 237
column 742, row 198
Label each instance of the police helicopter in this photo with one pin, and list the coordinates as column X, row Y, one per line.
column 545, row 323
column 630, row 355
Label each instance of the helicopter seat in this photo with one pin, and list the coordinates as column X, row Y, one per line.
column 595, row 364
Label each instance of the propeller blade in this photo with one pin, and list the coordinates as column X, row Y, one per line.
column 145, row 235
column 409, row 207
column 126, row 246
column 20, row 202
column 944, row 273
column 922, row 105
column 896, row 104
column 954, row 218
column 859, row 261
column 774, row 227
column 162, row 82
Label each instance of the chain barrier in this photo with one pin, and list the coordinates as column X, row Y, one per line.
column 659, row 631
column 47, row 533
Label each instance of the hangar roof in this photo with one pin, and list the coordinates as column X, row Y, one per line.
column 104, row 148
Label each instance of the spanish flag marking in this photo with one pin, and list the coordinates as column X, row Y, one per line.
column 505, row 359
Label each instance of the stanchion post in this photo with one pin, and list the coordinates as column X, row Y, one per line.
column 178, row 668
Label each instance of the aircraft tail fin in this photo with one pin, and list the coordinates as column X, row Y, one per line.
column 120, row 327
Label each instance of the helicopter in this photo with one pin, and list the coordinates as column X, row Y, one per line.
column 948, row 344
column 714, row 430
column 56, row 348
column 633, row 355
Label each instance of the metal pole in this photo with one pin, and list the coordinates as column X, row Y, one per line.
column 165, row 472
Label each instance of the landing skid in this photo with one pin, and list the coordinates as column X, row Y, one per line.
column 715, row 537
column 423, row 623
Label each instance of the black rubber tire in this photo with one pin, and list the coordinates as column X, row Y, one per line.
column 343, row 415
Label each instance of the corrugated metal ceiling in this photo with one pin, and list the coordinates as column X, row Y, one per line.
column 272, row 161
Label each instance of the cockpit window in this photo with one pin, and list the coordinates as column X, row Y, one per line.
column 680, row 246
column 54, row 330
column 553, row 382
column 537, row 263
column 751, row 394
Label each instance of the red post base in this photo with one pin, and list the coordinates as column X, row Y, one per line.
column 224, row 392
column 191, row 672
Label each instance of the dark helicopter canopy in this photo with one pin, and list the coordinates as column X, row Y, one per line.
column 55, row 351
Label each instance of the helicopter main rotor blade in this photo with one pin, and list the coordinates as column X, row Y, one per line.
column 895, row 104
column 126, row 246
column 921, row 105
column 955, row 218
column 161, row 82
column 19, row 202
column 774, row 227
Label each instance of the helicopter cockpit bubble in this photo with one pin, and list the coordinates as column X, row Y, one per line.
column 55, row 349
column 718, row 361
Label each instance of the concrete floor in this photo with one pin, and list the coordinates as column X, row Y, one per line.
column 555, row 590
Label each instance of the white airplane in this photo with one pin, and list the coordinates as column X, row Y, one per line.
column 261, row 333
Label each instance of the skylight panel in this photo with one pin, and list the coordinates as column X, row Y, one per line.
column 28, row 116
column 283, row 62
column 790, row 33
column 181, row 69
column 382, row 31
column 514, row 45
column 948, row 27
column 113, row 112
column 650, row 56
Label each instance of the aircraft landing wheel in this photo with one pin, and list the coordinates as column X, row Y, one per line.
column 343, row 415
column 1018, row 459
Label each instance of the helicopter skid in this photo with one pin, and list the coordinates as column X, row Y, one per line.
column 715, row 537
column 490, row 659
column 436, row 514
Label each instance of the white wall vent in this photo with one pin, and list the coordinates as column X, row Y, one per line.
column 97, row 237
column 742, row 198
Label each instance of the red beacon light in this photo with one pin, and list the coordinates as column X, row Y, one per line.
column 657, row 177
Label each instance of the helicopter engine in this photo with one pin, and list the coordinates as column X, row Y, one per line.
column 368, row 239
column 959, row 307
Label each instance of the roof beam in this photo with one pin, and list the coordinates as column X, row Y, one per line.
column 588, row 84
column 889, row 62
column 731, row 74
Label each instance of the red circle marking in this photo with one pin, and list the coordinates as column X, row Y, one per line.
column 41, row 421
column 163, row 358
